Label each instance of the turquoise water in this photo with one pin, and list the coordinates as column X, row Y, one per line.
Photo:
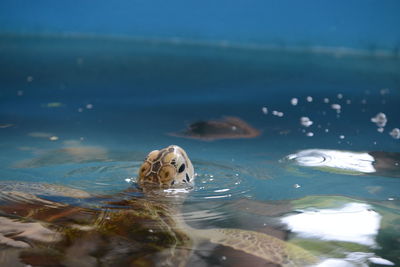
column 84, row 112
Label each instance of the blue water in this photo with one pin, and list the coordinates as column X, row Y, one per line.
column 370, row 24
column 85, row 111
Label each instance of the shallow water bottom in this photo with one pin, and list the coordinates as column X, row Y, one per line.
column 83, row 112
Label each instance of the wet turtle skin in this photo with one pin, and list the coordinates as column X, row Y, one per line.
column 137, row 232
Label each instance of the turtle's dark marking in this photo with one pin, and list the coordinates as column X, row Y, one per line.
column 182, row 168
column 171, row 149
column 156, row 166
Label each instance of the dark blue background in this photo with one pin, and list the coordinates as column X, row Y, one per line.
column 352, row 23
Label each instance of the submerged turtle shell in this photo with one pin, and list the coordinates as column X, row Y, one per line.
column 138, row 231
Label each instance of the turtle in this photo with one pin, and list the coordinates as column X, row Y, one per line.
column 228, row 127
column 138, row 227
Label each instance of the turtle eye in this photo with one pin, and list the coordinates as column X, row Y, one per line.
column 182, row 168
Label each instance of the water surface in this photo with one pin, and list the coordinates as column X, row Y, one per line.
column 84, row 112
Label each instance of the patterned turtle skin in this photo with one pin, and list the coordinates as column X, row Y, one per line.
column 166, row 168
column 126, row 231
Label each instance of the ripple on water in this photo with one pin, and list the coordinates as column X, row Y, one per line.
column 220, row 181
column 216, row 185
column 214, row 181
column 207, row 201
column 103, row 177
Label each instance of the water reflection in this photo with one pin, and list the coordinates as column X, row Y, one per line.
column 10, row 189
column 344, row 160
column 356, row 259
column 349, row 162
column 341, row 231
column 354, row 222
column 72, row 151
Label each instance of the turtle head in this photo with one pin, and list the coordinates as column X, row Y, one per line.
column 166, row 168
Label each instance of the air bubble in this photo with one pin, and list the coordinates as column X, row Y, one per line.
column 395, row 133
column 277, row 113
column 336, row 107
column 380, row 119
column 305, row 121
column 264, row 110
column 294, row 101
column 53, row 138
column 79, row 61
column 384, row 91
